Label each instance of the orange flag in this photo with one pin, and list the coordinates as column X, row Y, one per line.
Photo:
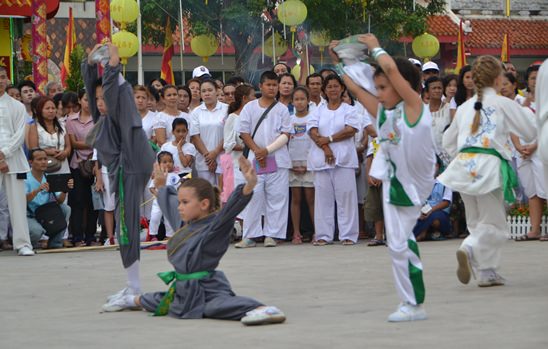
column 461, row 56
column 71, row 43
column 504, row 56
column 167, row 70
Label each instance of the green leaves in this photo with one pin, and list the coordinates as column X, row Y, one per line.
column 75, row 82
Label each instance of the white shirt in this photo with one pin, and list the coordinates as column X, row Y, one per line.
column 188, row 149
column 299, row 142
column 12, row 133
column 150, row 122
column 276, row 122
column 55, row 141
column 165, row 121
column 313, row 106
column 209, row 125
column 328, row 123
column 172, row 179
column 440, row 120
column 231, row 136
column 478, row 174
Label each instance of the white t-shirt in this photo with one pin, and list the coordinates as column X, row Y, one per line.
column 276, row 122
column 165, row 121
column 172, row 179
column 188, row 149
column 209, row 124
column 150, row 122
column 300, row 142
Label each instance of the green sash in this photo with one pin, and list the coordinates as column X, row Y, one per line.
column 509, row 177
column 168, row 277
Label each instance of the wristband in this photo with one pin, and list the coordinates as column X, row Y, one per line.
column 377, row 52
column 339, row 68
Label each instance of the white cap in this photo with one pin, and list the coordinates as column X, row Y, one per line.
column 430, row 66
column 200, row 71
column 415, row 62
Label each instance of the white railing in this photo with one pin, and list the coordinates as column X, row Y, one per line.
column 518, row 226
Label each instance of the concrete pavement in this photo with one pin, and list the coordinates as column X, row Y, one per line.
column 334, row 297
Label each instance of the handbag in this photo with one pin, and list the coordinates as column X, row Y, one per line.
column 51, row 217
column 54, row 164
column 245, row 152
column 85, row 166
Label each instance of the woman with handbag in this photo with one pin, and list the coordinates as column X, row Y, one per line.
column 83, row 220
column 39, row 198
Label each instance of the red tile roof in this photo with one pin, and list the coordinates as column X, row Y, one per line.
column 442, row 26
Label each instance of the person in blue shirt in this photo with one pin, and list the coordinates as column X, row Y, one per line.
column 37, row 190
column 434, row 222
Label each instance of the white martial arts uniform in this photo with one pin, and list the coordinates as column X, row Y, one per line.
column 478, row 176
column 209, row 125
column 231, row 139
column 271, row 194
column 405, row 162
column 156, row 214
column 361, row 179
column 150, row 123
column 541, row 98
column 12, row 136
column 336, row 182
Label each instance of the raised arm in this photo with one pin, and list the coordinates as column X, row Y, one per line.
column 90, row 75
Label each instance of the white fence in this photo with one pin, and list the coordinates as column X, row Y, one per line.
column 518, row 226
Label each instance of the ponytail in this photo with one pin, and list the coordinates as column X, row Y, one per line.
column 241, row 91
column 484, row 72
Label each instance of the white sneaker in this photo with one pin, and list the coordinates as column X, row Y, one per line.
column 122, row 303
column 25, row 251
column 128, row 291
column 489, row 277
column 270, row 242
column 263, row 316
column 246, row 243
column 408, row 312
column 464, row 270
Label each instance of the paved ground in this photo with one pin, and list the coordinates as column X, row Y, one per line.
column 334, row 297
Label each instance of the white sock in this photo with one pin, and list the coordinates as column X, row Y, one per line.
column 133, row 280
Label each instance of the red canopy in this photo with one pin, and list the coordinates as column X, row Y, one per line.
column 23, row 8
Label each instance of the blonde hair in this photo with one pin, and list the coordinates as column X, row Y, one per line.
column 484, row 72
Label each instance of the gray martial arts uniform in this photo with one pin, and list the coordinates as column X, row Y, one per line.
column 121, row 145
column 199, row 246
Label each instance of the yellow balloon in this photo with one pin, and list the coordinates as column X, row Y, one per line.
column 292, row 12
column 425, row 46
column 124, row 11
column 296, row 71
column 280, row 44
column 320, row 38
column 127, row 44
column 204, row 45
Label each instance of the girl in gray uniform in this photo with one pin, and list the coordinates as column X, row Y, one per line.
column 198, row 290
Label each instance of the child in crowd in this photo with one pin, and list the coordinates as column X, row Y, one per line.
column 373, row 199
column 183, row 152
column 405, row 164
column 301, row 181
column 197, row 289
column 102, row 185
column 38, row 194
column 165, row 160
column 480, row 170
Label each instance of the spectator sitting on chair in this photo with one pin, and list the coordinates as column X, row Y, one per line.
column 433, row 222
column 37, row 190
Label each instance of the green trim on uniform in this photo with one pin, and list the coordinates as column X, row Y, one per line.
column 416, row 122
column 382, row 117
column 413, row 246
column 397, row 195
column 415, row 274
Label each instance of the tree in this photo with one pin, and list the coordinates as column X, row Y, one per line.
column 242, row 19
column 74, row 80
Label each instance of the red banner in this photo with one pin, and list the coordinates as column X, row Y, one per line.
column 102, row 24
column 39, row 45
column 23, row 8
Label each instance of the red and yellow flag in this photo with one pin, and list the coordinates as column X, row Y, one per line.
column 71, row 43
column 461, row 55
column 167, row 70
column 504, row 56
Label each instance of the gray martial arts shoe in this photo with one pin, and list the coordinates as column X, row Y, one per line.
column 122, row 303
column 489, row 277
column 263, row 316
column 464, row 270
column 408, row 312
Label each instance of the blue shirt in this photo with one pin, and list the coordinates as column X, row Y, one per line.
column 439, row 194
column 42, row 197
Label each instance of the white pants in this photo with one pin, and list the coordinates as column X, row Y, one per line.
column 336, row 185
column 399, row 222
column 146, row 209
column 17, row 204
column 4, row 216
column 486, row 220
column 212, row 178
column 270, row 199
column 156, row 218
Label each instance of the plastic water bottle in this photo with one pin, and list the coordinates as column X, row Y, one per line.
column 101, row 56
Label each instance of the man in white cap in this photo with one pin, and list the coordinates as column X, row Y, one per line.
column 429, row 69
column 416, row 63
column 201, row 73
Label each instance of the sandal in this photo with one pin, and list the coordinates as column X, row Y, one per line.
column 320, row 242
column 544, row 237
column 347, row 242
column 526, row 237
column 297, row 240
column 376, row 242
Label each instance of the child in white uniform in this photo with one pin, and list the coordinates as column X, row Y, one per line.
column 182, row 151
column 542, row 118
column 480, row 170
column 165, row 160
column 405, row 164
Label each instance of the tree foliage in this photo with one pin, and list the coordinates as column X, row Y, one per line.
column 242, row 19
column 74, row 80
